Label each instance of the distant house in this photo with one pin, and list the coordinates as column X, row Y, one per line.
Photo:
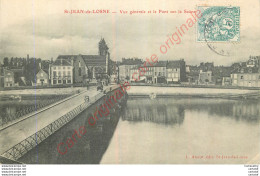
column 9, row 79
column 61, row 72
column 246, row 77
column 1, row 77
column 149, row 74
column 176, row 71
column 126, row 66
column 42, row 78
column 193, row 74
column 205, row 77
column 80, row 70
column 226, row 81
column 221, row 75
column 159, row 72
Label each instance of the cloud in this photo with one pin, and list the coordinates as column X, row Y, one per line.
column 127, row 36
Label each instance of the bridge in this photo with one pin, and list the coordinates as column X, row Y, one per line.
column 27, row 133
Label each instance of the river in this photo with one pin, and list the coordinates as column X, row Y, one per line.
column 186, row 131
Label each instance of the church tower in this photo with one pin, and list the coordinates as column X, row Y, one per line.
column 102, row 47
column 103, row 51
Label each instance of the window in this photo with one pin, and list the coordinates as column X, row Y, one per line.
column 68, row 73
column 69, row 81
column 64, row 81
column 242, row 77
column 79, row 71
column 59, row 73
column 54, row 68
column 64, row 73
column 41, row 74
column 64, row 68
column 54, row 81
column 59, row 81
column 54, row 74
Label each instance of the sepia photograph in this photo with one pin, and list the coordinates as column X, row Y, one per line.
column 129, row 82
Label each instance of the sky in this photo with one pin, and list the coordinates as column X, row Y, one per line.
column 41, row 29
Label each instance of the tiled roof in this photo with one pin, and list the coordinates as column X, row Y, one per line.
column 174, row 64
column 94, row 60
column 131, row 62
column 246, row 70
column 159, row 64
column 90, row 60
column 62, row 62
column 222, row 71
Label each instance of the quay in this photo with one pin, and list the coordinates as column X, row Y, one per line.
column 190, row 92
column 20, row 137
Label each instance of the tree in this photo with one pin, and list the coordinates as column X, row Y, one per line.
column 6, row 62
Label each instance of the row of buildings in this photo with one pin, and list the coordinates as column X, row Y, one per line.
column 81, row 69
column 65, row 70
column 244, row 74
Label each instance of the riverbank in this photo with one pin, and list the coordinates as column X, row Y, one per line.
column 145, row 91
column 46, row 91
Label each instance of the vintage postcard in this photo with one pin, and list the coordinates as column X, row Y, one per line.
column 129, row 82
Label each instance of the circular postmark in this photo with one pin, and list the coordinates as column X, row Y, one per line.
column 221, row 29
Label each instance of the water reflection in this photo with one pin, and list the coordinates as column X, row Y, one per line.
column 172, row 111
column 172, row 130
column 154, row 111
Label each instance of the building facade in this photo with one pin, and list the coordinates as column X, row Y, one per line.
column 42, row 78
column 246, row 77
column 126, row 66
column 9, row 78
column 88, row 67
column 61, row 72
column 176, row 71
column 205, row 77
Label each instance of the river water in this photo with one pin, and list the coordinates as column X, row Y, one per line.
column 186, row 131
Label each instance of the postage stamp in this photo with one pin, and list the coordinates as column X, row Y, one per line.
column 219, row 24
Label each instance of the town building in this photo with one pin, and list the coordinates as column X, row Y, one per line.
column 126, row 66
column 246, row 77
column 192, row 74
column 176, row 71
column 205, row 77
column 221, row 75
column 151, row 74
column 61, row 72
column 9, row 79
column 1, row 77
column 42, row 78
column 88, row 67
column 159, row 72
column 253, row 61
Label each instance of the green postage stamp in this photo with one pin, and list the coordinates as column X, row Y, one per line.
column 219, row 24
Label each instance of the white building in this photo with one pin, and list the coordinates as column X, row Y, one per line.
column 246, row 77
column 42, row 78
column 61, row 72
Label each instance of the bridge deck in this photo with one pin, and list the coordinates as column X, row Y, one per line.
column 17, row 132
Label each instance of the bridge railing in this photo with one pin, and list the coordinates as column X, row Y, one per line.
column 6, row 119
column 32, row 141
